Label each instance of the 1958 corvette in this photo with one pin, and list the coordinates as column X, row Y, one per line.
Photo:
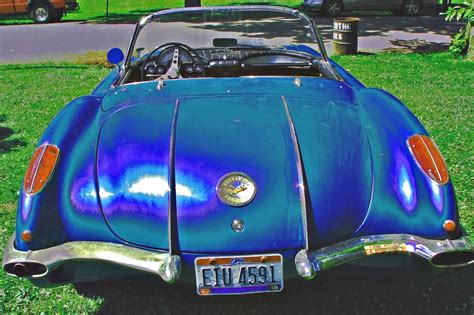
column 227, row 150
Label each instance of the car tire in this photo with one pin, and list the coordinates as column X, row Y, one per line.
column 333, row 8
column 41, row 13
column 411, row 7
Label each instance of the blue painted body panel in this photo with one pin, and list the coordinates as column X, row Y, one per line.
column 226, row 140
column 132, row 170
column 67, row 209
column 404, row 198
column 111, row 183
column 337, row 161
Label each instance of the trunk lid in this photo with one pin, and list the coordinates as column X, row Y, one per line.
column 233, row 132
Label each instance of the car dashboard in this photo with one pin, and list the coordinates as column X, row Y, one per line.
column 222, row 62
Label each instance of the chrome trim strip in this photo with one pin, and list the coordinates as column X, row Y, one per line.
column 154, row 16
column 431, row 157
column 317, row 35
column 128, row 59
column 270, row 8
column 35, row 169
column 173, row 241
column 310, row 263
column 299, row 167
column 167, row 266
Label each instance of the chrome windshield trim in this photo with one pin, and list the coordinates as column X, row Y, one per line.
column 440, row 253
column 269, row 8
column 155, row 16
column 167, row 266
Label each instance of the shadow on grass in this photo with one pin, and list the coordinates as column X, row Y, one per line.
column 23, row 18
column 7, row 145
column 332, row 293
column 416, row 46
column 20, row 19
column 63, row 65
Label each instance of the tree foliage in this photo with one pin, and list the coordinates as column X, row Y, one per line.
column 465, row 12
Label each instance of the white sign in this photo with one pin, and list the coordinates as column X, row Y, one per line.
column 342, row 26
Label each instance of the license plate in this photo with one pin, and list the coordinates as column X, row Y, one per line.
column 239, row 274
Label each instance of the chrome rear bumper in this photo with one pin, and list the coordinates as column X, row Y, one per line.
column 38, row 264
column 41, row 263
column 440, row 253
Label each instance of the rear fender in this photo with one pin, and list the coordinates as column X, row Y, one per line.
column 62, row 212
column 404, row 199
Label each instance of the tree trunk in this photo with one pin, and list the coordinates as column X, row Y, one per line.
column 192, row 3
column 470, row 53
column 445, row 5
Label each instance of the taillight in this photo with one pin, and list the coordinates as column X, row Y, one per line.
column 41, row 167
column 429, row 158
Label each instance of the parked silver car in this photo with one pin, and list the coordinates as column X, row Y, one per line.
column 336, row 7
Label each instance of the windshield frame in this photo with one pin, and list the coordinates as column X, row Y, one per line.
column 156, row 16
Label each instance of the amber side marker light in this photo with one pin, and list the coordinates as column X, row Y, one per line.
column 41, row 167
column 26, row 236
column 429, row 158
column 449, row 226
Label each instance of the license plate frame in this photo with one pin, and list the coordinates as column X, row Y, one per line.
column 273, row 280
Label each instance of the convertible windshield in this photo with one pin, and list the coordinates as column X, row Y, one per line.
column 199, row 29
column 224, row 41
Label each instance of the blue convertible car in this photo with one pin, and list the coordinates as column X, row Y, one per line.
column 228, row 151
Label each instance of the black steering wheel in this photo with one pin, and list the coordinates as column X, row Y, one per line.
column 173, row 71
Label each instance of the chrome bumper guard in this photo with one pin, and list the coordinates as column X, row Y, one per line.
column 440, row 253
column 38, row 264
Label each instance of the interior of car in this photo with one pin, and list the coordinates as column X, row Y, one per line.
column 226, row 59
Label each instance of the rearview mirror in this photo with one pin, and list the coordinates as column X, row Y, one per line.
column 115, row 56
column 224, row 42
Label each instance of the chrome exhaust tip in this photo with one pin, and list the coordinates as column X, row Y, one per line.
column 440, row 253
column 19, row 270
column 25, row 269
column 453, row 259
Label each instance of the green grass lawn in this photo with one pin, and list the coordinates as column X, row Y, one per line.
column 131, row 11
column 437, row 88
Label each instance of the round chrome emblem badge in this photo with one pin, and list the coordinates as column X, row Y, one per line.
column 236, row 189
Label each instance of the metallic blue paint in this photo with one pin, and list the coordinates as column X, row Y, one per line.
column 404, row 198
column 250, row 136
column 111, row 183
column 54, row 216
column 337, row 161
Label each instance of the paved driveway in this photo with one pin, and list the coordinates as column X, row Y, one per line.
column 378, row 33
column 56, row 42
